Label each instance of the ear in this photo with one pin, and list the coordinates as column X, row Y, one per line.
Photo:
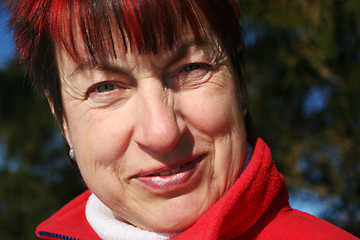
column 65, row 130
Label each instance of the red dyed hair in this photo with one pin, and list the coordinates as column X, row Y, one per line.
column 144, row 25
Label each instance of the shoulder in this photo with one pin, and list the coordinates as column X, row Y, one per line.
column 294, row 224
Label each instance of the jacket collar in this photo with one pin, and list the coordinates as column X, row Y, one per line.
column 258, row 195
column 69, row 222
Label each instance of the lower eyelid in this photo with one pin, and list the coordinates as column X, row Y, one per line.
column 190, row 79
column 107, row 103
column 107, row 94
column 103, row 100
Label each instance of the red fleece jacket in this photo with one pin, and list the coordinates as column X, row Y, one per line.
column 256, row 207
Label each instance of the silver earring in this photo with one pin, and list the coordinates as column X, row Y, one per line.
column 245, row 109
column 72, row 154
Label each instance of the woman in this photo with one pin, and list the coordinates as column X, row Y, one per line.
column 149, row 97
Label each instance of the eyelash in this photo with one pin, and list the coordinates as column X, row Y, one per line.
column 191, row 65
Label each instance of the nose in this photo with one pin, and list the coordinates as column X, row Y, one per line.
column 159, row 127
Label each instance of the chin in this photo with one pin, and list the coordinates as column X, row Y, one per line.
column 171, row 221
column 171, row 225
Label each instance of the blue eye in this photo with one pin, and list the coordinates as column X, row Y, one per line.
column 191, row 67
column 107, row 87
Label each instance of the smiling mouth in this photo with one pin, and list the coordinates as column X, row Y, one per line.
column 173, row 180
column 175, row 170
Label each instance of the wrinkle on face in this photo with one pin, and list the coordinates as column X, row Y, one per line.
column 110, row 157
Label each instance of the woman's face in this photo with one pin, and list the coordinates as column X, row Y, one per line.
column 158, row 138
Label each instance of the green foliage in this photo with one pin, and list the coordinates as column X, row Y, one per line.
column 36, row 176
column 302, row 72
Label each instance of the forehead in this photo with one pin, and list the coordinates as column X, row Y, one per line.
column 185, row 47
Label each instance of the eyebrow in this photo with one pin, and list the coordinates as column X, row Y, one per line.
column 103, row 66
column 180, row 52
column 184, row 49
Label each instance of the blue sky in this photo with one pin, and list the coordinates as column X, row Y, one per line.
column 6, row 45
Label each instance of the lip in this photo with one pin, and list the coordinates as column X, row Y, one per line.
column 152, row 181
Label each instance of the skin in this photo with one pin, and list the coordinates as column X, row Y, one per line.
column 138, row 114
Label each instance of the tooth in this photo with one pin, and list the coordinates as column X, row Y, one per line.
column 169, row 173
column 175, row 170
column 164, row 174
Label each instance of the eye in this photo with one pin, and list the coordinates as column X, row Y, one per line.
column 190, row 76
column 108, row 93
column 103, row 88
column 106, row 87
column 191, row 67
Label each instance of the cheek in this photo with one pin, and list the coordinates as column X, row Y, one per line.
column 100, row 138
column 211, row 111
